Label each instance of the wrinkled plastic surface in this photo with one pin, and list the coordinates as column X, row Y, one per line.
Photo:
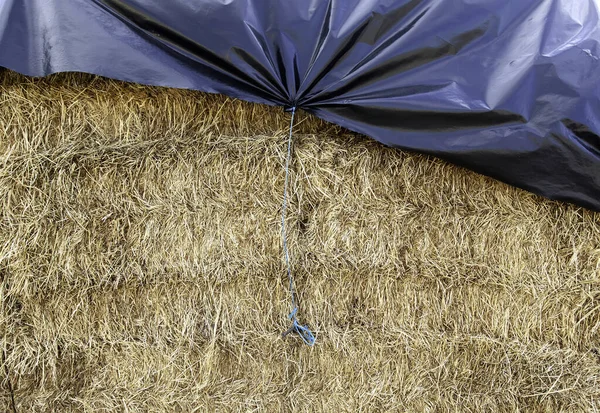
column 507, row 88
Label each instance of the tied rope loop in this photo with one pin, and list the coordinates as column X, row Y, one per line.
column 303, row 331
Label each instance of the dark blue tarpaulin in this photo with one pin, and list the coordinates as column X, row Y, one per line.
column 508, row 88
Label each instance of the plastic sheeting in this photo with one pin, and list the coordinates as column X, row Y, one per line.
column 508, row 88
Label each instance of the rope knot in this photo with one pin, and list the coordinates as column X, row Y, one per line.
column 303, row 331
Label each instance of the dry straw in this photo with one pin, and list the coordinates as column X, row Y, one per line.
column 141, row 269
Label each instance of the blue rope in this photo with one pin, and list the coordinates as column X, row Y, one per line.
column 303, row 331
